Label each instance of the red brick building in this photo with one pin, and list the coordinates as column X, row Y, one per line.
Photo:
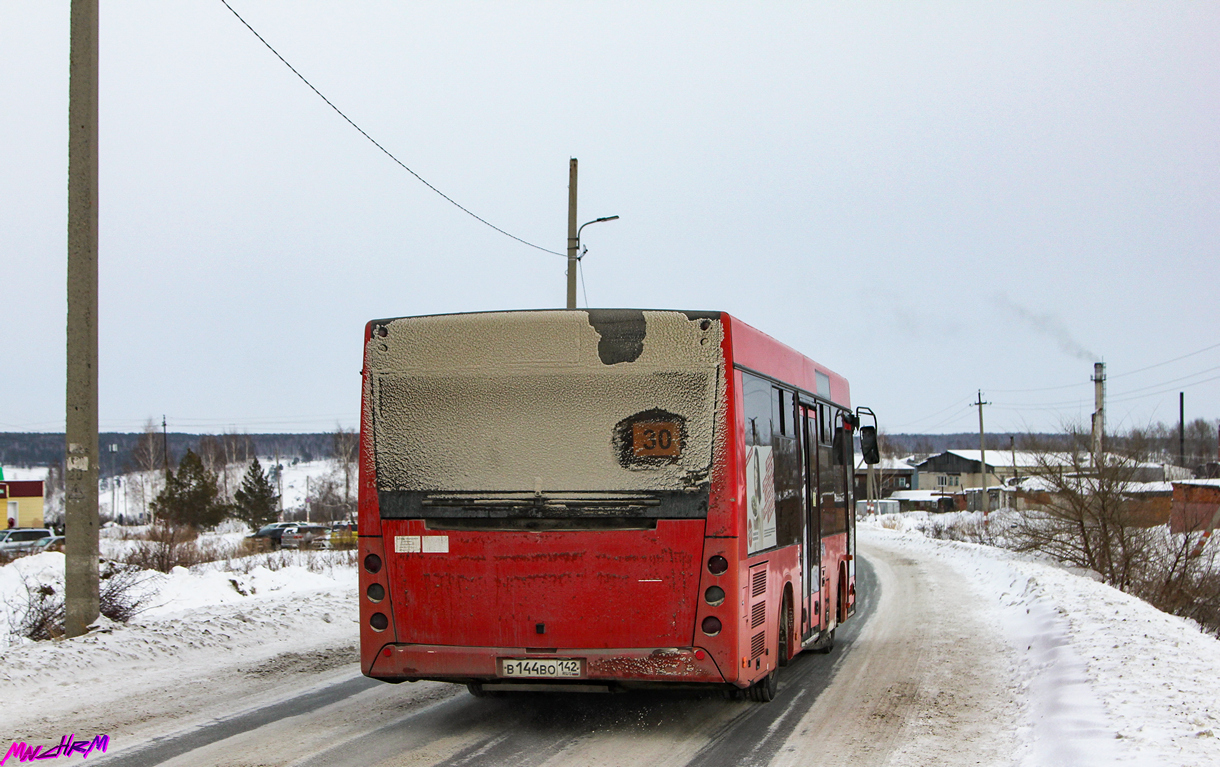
column 1195, row 505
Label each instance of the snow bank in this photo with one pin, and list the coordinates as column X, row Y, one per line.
column 207, row 637
column 1110, row 679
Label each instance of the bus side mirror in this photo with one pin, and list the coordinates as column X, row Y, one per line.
column 868, row 445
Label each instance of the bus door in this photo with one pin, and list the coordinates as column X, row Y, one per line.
column 811, row 548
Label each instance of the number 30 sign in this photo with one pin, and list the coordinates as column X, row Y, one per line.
column 656, row 438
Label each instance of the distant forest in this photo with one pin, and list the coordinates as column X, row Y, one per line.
column 44, row 449
column 132, row 450
column 47, row 449
column 931, row 444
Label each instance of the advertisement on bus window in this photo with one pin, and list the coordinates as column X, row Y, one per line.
column 760, row 494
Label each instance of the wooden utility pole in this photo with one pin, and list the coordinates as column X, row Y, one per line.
column 573, row 237
column 80, row 426
column 983, row 458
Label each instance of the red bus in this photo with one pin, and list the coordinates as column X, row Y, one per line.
column 599, row 499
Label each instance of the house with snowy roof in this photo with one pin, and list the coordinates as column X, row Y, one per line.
column 892, row 475
column 956, row 470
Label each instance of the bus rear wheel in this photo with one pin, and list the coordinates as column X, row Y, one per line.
column 785, row 629
column 763, row 691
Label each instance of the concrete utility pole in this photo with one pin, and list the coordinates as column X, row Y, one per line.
column 1099, row 411
column 983, row 458
column 80, row 475
column 573, row 236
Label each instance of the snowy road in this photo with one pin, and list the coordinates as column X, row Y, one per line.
column 908, row 683
column 960, row 655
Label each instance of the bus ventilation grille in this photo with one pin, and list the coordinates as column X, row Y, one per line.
column 758, row 614
column 760, row 583
column 758, row 644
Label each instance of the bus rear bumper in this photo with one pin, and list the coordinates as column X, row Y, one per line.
column 413, row 662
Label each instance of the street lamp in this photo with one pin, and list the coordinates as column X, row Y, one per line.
column 573, row 257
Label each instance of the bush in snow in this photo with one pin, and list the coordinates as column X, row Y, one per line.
column 168, row 545
column 122, row 594
column 1083, row 512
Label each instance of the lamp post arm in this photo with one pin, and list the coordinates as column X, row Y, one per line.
column 594, row 221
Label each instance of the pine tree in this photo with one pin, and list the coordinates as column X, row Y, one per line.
column 190, row 496
column 255, row 500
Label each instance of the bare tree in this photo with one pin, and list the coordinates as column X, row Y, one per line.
column 325, row 502
column 148, row 455
column 345, row 443
column 1084, row 512
column 238, row 450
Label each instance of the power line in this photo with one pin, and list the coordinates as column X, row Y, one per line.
column 1121, row 398
column 1173, row 383
column 1044, row 388
column 1118, row 375
column 950, row 419
column 581, row 271
column 387, row 152
column 1166, row 362
column 925, row 418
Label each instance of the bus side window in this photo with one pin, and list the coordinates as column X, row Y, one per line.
column 843, row 455
column 756, row 399
column 788, row 501
column 826, row 491
column 760, row 492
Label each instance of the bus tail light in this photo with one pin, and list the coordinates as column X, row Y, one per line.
column 718, row 565
column 714, row 596
column 375, row 592
column 711, row 625
column 379, row 622
column 372, row 563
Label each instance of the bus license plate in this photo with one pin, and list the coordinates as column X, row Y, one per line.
column 546, row 668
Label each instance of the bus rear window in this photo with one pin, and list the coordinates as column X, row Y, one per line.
column 504, row 434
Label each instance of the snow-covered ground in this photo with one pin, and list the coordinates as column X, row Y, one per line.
column 208, row 638
column 1100, row 677
column 1106, row 677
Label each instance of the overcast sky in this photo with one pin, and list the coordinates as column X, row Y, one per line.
column 929, row 198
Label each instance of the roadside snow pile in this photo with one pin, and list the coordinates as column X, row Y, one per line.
column 198, row 621
column 1109, row 677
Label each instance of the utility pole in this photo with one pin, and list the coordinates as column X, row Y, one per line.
column 81, row 471
column 165, row 449
column 1099, row 412
column 983, row 457
column 573, row 236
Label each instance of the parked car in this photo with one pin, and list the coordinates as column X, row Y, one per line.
column 19, row 540
column 342, row 535
column 305, row 536
column 50, row 543
column 272, row 532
